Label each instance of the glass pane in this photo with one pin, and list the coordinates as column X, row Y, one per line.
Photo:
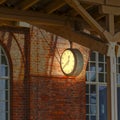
column 3, row 60
column 6, row 71
column 92, row 66
column 87, row 117
column 3, row 70
column 6, row 95
column 3, row 116
column 87, row 109
column 93, row 118
column 6, row 107
column 2, row 106
column 118, row 78
column 92, row 76
column 118, row 59
column 101, row 77
column 93, row 57
column 3, row 84
column 101, row 67
column 87, row 68
column 87, row 99
column 118, row 99
column 2, row 95
column 2, row 52
column 87, row 76
column 93, row 109
column 7, row 116
column 102, row 103
column 87, row 88
column 93, row 89
column 101, row 58
column 93, row 99
column 118, row 70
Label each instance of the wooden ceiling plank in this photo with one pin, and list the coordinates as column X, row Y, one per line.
column 76, row 5
column 27, row 16
column 27, row 4
column 2, row 1
column 54, row 6
column 80, row 38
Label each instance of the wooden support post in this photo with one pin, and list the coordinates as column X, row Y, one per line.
column 112, row 83
column 112, row 79
column 108, row 90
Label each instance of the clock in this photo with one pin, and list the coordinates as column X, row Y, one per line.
column 71, row 62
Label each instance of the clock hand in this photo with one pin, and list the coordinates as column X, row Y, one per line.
column 67, row 61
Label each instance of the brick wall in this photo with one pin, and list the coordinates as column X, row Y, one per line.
column 50, row 95
column 54, row 96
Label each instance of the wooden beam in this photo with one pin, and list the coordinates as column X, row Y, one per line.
column 87, row 17
column 80, row 38
column 31, row 17
column 2, row 1
column 108, row 90
column 8, row 23
column 27, row 4
column 93, row 1
column 109, row 10
column 113, row 2
column 111, row 24
column 56, row 4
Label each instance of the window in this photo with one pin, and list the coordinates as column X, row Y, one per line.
column 118, row 86
column 96, row 88
column 4, row 86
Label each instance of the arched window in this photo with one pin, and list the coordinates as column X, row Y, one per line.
column 4, row 86
column 96, row 88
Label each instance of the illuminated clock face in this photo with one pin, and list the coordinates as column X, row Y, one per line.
column 71, row 62
column 67, row 62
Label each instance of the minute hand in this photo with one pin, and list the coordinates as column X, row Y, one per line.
column 67, row 61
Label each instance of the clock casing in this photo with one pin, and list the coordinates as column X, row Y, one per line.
column 71, row 62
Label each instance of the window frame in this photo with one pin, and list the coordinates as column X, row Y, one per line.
column 97, row 83
column 6, row 78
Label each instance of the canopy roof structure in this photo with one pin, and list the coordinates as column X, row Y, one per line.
column 91, row 23
column 94, row 24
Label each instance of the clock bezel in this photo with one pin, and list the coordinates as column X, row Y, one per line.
column 77, row 69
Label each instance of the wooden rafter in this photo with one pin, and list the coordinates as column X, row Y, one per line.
column 31, row 17
column 27, row 4
column 56, row 4
column 76, row 5
column 86, row 6
column 79, row 38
